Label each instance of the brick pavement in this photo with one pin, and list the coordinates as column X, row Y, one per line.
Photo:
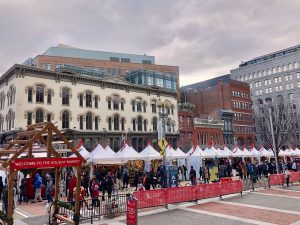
column 281, row 192
column 249, row 212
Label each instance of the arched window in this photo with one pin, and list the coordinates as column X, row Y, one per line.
column 88, row 121
column 39, row 116
column 290, row 66
column 154, row 122
column 123, row 124
column 65, row 96
column 116, row 122
column 88, row 99
column 65, row 120
column 295, row 65
column 140, row 123
column 139, row 106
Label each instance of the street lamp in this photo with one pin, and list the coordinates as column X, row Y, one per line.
column 269, row 105
column 163, row 118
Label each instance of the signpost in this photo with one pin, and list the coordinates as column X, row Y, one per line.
column 131, row 215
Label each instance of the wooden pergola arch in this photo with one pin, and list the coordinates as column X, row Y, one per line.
column 43, row 133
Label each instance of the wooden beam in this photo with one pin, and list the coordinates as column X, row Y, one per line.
column 32, row 140
column 49, row 144
column 57, row 182
column 77, row 197
column 54, row 152
column 65, row 140
column 27, row 133
column 10, row 203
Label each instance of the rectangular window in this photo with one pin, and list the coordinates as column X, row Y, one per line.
column 115, row 105
column 49, row 97
column 88, row 100
column 150, row 80
column 39, row 94
column 81, row 100
column 168, row 84
column 96, row 123
column 127, row 60
column 133, row 107
column 189, row 122
column 109, row 104
column 114, row 59
column 65, row 96
column 113, row 71
column 29, row 97
column 119, row 71
column 122, row 106
column 159, row 82
column 290, row 77
column 298, row 84
column 81, row 122
column 298, row 75
column 153, row 106
column 109, row 124
column 127, row 72
column 29, row 118
column 96, row 102
column 48, row 117
column 139, row 107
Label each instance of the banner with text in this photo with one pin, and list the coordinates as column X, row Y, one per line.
column 29, row 163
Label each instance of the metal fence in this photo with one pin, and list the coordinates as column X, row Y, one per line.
column 90, row 210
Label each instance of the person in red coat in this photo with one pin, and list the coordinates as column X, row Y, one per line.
column 72, row 185
column 95, row 192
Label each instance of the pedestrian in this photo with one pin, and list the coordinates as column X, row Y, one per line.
column 151, row 179
column 125, row 180
column 287, row 177
column 72, row 185
column 5, row 199
column 136, row 180
column 23, row 191
column 85, row 183
column 184, row 171
column 1, row 187
column 193, row 175
column 95, row 192
column 115, row 185
column 49, row 188
column 109, row 184
column 103, row 187
column 206, row 174
column 294, row 166
column 38, row 187
column 146, row 182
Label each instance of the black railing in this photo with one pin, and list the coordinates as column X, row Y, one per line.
column 90, row 210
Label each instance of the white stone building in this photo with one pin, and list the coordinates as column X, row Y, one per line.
column 99, row 109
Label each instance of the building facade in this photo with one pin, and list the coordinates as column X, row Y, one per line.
column 115, row 64
column 272, row 77
column 104, row 110
column 202, row 131
column 223, row 93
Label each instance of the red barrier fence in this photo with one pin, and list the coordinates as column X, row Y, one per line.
column 294, row 176
column 153, row 198
column 276, row 179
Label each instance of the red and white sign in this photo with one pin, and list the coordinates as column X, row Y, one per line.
column 131, row 215
column 45, row 163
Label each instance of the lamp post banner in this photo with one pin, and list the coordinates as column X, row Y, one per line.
column 45, row 162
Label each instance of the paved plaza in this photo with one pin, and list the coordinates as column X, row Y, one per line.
column 263, row 207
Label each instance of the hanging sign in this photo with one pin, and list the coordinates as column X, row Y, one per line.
column 30, row 163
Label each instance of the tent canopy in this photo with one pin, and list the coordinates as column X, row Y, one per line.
column 150, row 153
column 103, row 156
column 246, row 153
column 127, row 153
column 237, row 152
column 225, row 153
column 254, row 152
column 210, row 152
column 83, row 152
column 180, row 153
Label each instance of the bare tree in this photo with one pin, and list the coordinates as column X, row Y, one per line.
column 285, row 119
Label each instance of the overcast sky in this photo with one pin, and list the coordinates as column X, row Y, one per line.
column 204, row 38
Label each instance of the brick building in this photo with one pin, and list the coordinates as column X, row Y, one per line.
column 223, row 93
column 201, row 131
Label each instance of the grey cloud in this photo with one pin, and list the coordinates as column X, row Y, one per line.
column 204, row 38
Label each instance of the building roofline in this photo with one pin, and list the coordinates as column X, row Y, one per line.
column 18, row 69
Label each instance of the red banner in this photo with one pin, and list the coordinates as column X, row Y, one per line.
column 276, row 179
column 231, row 187
column 27, row 163
column 131, row 214
column 208, row 190
column 150, row 198
column 180, row 194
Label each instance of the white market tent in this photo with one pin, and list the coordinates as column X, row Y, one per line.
column 102, row 156
column 150, row 153
column 225, row 153
column 297, row 152
column 237, row 152
column 246, row 153
column 83, row 152
column 289, row 152
column 127, row 153
column 108, row 148
column 195, row 151
column 282, row 153
column 265, row 153
column 255, row 152
column 210, row 152
column 180, row 153
column 271, row 152
column 195, row 156
column 170, row 152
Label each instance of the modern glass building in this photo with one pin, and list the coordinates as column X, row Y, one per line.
column 153, row 78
